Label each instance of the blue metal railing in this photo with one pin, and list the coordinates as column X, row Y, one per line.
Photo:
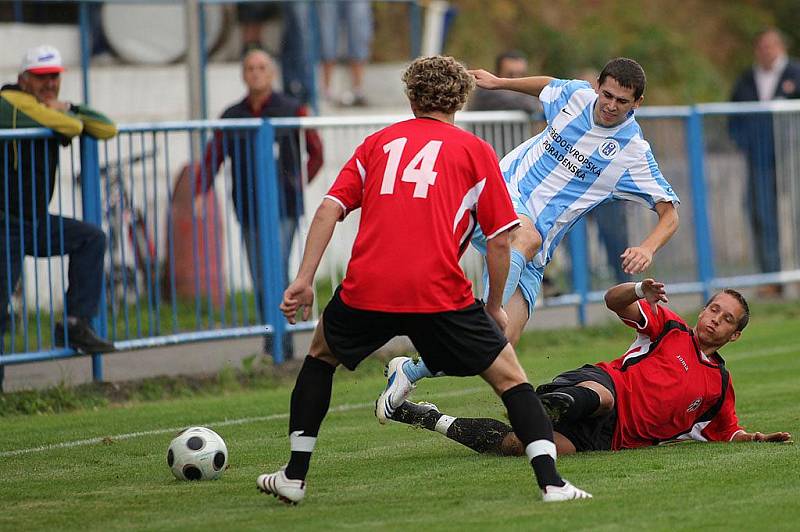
column 133, row 213
column 152, row 298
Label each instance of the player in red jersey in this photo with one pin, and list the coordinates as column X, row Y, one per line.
column 670, row 385
column 421, row 185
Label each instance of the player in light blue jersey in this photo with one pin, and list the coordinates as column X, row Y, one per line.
column 591, row 152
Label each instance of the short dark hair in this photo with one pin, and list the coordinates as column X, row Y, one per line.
column 510, row 54
column 627, row 72
column 745, row 319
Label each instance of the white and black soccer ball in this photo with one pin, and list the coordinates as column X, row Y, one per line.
column 197, row 453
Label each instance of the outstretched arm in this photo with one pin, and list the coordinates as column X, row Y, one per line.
column 531, row 85
column 300, row 294
column 760, row 437
column 638, row 258
column 622, row 298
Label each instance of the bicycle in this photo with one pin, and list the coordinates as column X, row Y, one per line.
column 133, row 264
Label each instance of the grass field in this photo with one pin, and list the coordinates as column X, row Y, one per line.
column 105, row 469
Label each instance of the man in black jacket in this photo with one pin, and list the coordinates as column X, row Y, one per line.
column 774, row 76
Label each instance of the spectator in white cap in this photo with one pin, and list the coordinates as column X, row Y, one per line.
column 27, row 180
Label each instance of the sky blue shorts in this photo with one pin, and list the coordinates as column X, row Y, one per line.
column 530, row 282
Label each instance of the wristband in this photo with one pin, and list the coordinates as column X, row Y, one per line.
column 637, row 288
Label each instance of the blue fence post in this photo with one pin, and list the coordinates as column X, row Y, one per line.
column 695, row 146
column 92, row 213
column 580, row 266
column 268, row 225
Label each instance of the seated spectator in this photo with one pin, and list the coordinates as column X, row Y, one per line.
column 27, row 226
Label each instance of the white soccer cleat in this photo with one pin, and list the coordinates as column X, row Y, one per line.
column 567, row 492
column 287, row 490
column 397, row 390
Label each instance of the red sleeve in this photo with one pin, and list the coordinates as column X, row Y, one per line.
column 725, row 424
column 206, row 170
column 348, row 189
column 495, row 210
column 653, row 321
column 313, row 148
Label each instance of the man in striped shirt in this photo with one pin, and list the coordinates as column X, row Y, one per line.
column 591, row 152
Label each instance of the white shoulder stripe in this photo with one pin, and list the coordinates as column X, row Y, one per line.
column 361, row 171
column 550, row 93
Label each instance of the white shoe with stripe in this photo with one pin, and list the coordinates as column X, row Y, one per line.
column 398, row 388
column 567, row 492
column 287, row 490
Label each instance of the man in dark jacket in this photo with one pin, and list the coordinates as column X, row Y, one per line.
column 27, row 180
column 774, row 76
column 261, row 101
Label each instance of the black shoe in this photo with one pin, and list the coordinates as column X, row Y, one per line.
column 556, row 404
column 83, row 338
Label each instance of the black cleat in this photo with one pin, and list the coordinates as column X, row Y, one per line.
column 556, row 404
column 83, row 338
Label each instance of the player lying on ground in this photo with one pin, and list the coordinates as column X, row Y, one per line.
column 591, row 152
column 671, row 384
column 421, row 184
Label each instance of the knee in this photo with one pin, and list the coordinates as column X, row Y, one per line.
column 97, row 239
column 527, row 240
column 606, row 397
column 511, row 446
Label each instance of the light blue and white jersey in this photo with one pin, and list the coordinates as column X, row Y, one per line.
column 575, row 165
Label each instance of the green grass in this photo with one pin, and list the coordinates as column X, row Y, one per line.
column 366, row 477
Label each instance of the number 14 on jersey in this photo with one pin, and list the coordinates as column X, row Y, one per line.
column 419, row 170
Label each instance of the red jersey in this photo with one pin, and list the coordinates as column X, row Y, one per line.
column 421, row 185
column 666, row 388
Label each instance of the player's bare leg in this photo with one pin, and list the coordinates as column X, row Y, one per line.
column 517, row 311
column 311, row 398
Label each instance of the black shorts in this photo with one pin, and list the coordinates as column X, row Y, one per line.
column 461, row 342
column 588, row 434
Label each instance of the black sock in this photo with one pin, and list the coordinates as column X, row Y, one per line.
column 311, row 398
column 533, row 428
column 482, row 435
column 587, row 401
column 416, row 414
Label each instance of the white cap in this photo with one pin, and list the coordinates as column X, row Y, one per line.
column 42, row 60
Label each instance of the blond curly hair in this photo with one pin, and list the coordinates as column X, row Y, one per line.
column 437, row 83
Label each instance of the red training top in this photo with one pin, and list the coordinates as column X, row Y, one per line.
column 421, row 185
column 664, row 385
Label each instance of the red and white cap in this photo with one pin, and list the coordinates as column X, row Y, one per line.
column 42, row 60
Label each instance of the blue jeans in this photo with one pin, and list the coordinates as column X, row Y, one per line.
column 296, row 61
column 356, row 19
column 83, row 242
column 252, row 241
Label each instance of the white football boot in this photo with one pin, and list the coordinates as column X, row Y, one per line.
column 397, row 390
column 287, row 490
column 567, row 492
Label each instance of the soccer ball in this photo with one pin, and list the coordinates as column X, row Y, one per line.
column 197, row 453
